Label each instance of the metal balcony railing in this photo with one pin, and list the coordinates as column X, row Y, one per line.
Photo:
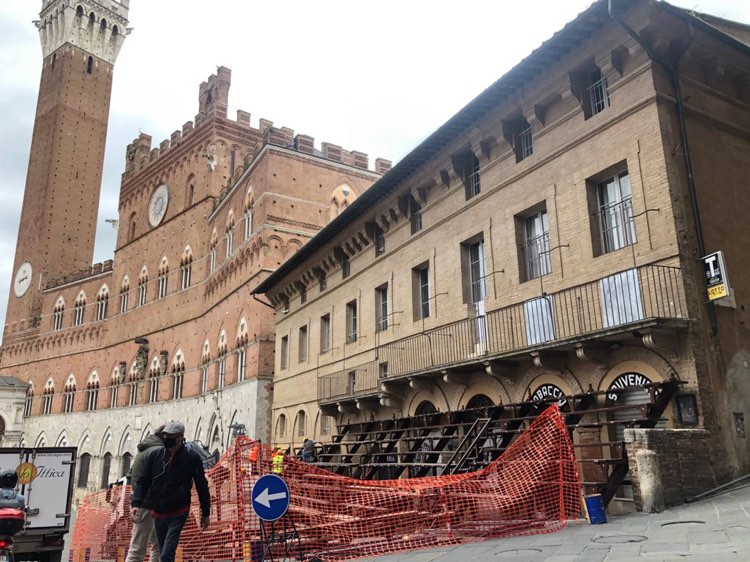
column 611, row 303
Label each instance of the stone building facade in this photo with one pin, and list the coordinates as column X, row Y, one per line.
column 167, row 328
column 545, row 241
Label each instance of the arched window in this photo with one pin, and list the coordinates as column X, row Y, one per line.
column 163, row 278
column 125, row 464
column 131, row 228
column 29, row 402
column 106, row 466
column 124, row 291
column 84, row 465
column 186, row 266
column 79, row 11
column 115, row 31
column 281, row 427
column 142, row 287
column 80, row 309
column 92, row 392
column 249, row 203
column 301, row 424
column 57, row 315
column 178, row 374
column 47, row 395
column 102, row 300
column 90, row 65
column 70, row 394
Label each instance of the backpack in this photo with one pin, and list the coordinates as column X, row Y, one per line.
column 207, row 458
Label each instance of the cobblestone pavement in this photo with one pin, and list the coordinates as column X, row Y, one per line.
column 715, row 529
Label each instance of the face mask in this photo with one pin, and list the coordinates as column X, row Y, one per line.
column 170, row 442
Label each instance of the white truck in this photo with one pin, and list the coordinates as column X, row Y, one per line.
column 48, row 489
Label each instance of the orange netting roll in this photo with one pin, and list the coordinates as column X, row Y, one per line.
column 532, row 488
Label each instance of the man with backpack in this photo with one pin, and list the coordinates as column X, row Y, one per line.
column 143, row 526
column 169, row 473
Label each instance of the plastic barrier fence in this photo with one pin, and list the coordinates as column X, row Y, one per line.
column 533, row 488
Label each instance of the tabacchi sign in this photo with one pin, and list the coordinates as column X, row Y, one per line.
column 716, row 276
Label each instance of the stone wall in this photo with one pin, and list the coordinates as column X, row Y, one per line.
column 668, row 466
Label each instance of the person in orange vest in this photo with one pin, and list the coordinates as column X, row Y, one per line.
column 253, row 457
column 277, row 461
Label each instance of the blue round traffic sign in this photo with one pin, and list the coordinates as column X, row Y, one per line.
column 270, row 497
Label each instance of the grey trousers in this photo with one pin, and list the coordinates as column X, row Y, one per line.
column 143, row 534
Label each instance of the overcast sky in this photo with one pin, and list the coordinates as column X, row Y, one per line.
column 377, row 77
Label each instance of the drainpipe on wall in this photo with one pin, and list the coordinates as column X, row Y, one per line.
column 692, row 191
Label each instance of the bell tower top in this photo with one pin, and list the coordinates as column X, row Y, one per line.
column 97, row 27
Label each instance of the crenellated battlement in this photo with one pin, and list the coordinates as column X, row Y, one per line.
column 96, row 27
column 81, row 275
column 213, row 98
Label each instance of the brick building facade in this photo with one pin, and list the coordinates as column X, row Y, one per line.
column 546, row 241
column 167, row 328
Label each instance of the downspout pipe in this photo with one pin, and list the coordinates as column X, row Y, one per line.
column 672, row 70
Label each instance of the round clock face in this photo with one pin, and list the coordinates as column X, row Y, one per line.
column 157, row 208
column 22, row 280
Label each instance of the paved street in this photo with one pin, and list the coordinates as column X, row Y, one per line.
column 715, row 529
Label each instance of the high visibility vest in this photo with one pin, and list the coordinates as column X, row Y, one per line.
column 278, row 463
column 254, row 453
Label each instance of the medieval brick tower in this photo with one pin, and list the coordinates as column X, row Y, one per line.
column 80, row 43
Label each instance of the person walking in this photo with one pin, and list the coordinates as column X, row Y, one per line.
column 169, row 473
column 143, row 532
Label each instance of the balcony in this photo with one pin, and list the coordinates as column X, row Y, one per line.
column 635, row 301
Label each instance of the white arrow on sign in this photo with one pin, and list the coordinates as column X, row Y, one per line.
column 265, row 499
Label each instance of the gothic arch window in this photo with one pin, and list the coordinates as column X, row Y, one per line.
column 80, row 309
column 186, row 267
column 58, row 313
column 69, row 393
column 221, row 365
column 242, row 339
column 163, row 278
column 47, row 395
column 106, row 466
column 131, row 227
column 102, row 300
column 92, row 392
column 301, row 423
column 103, row 24
column 341, row 198
column 230, row 234
column 212, row 252
column 143, row 287
column 29, row 401
column 190, row 199
column 124, row 291
column 92, row 19
column 178, row 375
column 84, row 466
column 115, row 31
column 79, row 11
column 118, row 377
column 125, row 464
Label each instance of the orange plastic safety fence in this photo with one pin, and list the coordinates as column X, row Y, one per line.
column 532, row 488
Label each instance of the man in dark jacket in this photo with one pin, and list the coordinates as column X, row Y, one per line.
column 168, row 475
column 143, row 527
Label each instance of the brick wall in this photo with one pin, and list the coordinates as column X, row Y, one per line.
column 685, row 463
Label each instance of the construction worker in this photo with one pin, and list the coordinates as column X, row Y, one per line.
column 278, row 461
column 253, row 457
